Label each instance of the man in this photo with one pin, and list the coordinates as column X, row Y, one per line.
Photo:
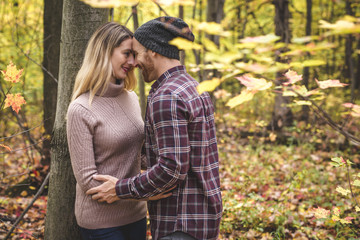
column 180, row 143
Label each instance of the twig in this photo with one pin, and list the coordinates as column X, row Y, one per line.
column 161, row 9
column 41, row 189
column 349, row 181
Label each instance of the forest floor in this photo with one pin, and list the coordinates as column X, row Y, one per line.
column 270, row 190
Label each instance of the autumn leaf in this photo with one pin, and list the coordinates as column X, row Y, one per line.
column 293, row 77
column 15, row 101
column 302, row 102
column 321, row 213
column 355, row 109
column 254, row 84
column 261, row 39
column 11, row 74
column 243, row 97
column 111, row 3
column 356, row 183
column 346, row 220
column 6, row 147
column 176, row 2
column 357, row 209
column 184, row 44
column 343, row 191
column 211, row 28
column 208, row 85
column 330, row 83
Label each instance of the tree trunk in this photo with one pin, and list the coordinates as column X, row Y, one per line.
column 306, row 71
column 79, row 23
column 140, row 77
column 182, row 52
column 350, row 73
column 214, row 13
column 52, row 33
column 282, row 115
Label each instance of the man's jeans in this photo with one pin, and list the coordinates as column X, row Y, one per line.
column 178, row 236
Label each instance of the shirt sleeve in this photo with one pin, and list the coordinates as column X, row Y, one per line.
column 168, row 118
column 80, row 131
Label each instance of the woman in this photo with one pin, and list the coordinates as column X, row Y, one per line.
column 105, row 134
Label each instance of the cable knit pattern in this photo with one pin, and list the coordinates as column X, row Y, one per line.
column 105, row 138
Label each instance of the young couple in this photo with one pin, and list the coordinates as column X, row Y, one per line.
column 105, row 134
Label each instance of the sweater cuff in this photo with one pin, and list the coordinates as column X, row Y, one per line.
column 122, row 189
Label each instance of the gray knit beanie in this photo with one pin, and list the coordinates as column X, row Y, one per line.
column 156, row 34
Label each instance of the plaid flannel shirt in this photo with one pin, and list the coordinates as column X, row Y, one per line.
column 181, row 149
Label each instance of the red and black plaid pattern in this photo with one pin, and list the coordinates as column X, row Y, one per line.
column 181, row 150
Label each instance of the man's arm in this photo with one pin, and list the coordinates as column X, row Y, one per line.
column 106, row 192
column 169, row 123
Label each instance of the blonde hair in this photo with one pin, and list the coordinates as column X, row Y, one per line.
column 96, row 70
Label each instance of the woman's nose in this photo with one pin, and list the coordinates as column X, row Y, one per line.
column 131, row 60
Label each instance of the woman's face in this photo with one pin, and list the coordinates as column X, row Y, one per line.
column 122, row 60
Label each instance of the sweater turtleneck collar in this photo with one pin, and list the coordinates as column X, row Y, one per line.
column 113, row 90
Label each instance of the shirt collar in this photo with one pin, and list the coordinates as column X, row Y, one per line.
column 166, row 75
column 111, row 90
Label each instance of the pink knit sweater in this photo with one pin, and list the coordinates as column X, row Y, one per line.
column 105, row 138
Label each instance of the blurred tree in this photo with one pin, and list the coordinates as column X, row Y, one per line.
column 52, row 33
column 79, row 23
column 282, row 114
column 141, row 82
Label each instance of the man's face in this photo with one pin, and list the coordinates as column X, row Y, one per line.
column 144, row 61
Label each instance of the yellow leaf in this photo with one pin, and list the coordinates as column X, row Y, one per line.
column 330, row 83
column 11, row 74
column 343, row 191
column 243, row 97
column 272, row 137
column 111, row 3
column 212, row 28
column 208, row 85
column 24, row 193
column 176, row 2
column 184, row 44
column 32, row 188
column 357, row 209
column 301, row 102
column 321, row 213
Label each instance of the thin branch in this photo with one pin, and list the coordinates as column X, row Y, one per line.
column 41, row 189
column 19, row 149
column 161, row 9
column 28, row 130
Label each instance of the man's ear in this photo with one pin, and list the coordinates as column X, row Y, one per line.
column 153, row 54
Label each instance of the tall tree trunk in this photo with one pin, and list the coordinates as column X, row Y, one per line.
column 282, row 115
column 52, row 32
column 140, row 77
column 79, row 23
column 306, row 71
column 214, row 13
column 182, row 52
column 350, row 73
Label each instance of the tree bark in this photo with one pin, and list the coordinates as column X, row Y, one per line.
column 306, row 70
column 140, row 77
column 79, row 23
column 282, row 115
column 52, row 33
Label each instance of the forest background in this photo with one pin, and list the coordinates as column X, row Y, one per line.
column 285, row 79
